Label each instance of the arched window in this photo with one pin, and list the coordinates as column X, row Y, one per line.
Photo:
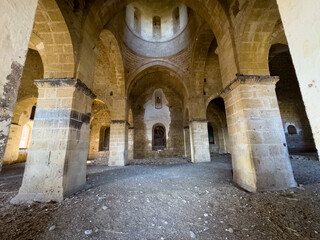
column 292, row 129
column 176, row 20
column 25, row 136
column 210, row 133
column 33, row 112
column 159, row 137
column 104, row 139
column 157, row 27
column 137, row 20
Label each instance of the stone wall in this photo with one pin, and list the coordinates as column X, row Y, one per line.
column 291, row 104
column 16, row 26
column 145, row 115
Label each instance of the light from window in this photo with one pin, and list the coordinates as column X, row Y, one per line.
column 25, row 136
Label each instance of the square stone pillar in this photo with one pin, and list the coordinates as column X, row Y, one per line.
column 260, row 159
column 200, row 151
column 57, row 155
column 118, row 143
column 186, row 134
column 131, row 143
column 12, row 151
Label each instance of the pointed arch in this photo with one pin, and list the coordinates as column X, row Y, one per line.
column 51, row 38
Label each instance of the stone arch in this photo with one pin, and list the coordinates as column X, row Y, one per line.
column 51, row 37
column 21, row 117
column 216, row 117
column 33, row 70
column 201, row 48
column 100, row 119
column 157, row 67
column 253, row 36
column 211, row 11
column 109, row 80
column 290, row 102
column 278, row 36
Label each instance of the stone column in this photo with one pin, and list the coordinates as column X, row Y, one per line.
column 57, row 155
column 131, row 143
column 118, row 143
column 301, row 22
column 259, row 151
column 16, row 22
column 222, row 141
column 12, row 151
column 186, row 133
column 200, row 151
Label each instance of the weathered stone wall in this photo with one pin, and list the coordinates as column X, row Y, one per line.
column 304, row 48
column 291, row 104
column 146, row 115
column 16, row 20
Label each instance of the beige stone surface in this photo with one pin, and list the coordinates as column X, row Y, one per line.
column 260, row 159
column 56, row 163
column 301, row 21
column 16, row 20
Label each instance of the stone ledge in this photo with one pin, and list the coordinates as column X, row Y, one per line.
column 65, row 82
column 250, row 79
column 198, row 120
column 119, row 122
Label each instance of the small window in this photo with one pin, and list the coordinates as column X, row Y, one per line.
column 33, row 112
column 176, row 20
column 157, row 27
column 25, row 137
column 104, row 139
column 210, row 133
column 292, row 129
column 159, row 138
column 158, row 100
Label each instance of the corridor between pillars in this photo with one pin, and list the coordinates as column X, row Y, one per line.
column 56, row 163
column 260, row 159
column 199, row 141
column 118, row 143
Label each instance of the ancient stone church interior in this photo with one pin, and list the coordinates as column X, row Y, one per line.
column 160, row 119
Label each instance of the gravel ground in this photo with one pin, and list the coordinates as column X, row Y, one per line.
column 176, row 201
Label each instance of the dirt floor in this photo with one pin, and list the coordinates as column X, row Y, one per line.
column 177, row 201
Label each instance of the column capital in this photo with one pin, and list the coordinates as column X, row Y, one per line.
column 249, row 79
column 65, row 82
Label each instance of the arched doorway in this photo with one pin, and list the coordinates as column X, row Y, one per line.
column 159, row 138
